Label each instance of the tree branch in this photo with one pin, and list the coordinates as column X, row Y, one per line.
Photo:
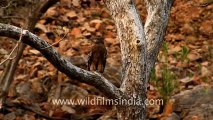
column 42, row 9
column 155, row 27
column 33, row 17
column 60, row 63
column 46, row 6
column 13, row 50
column 134, row 56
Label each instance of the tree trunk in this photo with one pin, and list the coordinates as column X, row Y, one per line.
column 133, row 50
column 155, row 27
column 139, row 53
column 139, row 49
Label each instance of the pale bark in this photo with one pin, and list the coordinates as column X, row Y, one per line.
column 138, row 54
column 133, row 50
column 155, row 27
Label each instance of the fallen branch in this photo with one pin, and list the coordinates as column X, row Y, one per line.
column 62, row 64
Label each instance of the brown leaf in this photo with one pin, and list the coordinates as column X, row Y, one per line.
column 110, row 27
column 206, row 27
column 76, row 32
column 64, row 45
column 41, row 27
column 110, row 41
column 33, row 51
column 105, row 14
column 44, row 37
column 68, row 109
column 186, row 80
column 175, row 49
column 205, row 71
column 76, row 3
column 72, row 15
column 193, row 56
column 12, row 92
column 109, row 34
column 21, row 77
column 3, row 51
column 88, row 28
column 51, row 12
column 58, row 113
column 96, row 23
column 41, row 73
column 193, row 46
column 194, row 118
column 10, row 116
column 97, row 106
column 187, row 28
column 64, row 18
column 205, row 63
column 87, row 34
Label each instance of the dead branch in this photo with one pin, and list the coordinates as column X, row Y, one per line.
column 57, row 42
column 4, row 7
column 62, row 64
column 12, row 64
column 10, row 55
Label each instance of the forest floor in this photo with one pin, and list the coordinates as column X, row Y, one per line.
column 184, row 62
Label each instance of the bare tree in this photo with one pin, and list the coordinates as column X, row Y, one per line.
column 140, row 46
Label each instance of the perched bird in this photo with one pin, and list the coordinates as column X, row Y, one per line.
column 97, row 56
column 85, row 3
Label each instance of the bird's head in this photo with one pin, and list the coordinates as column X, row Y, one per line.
column 99, row 40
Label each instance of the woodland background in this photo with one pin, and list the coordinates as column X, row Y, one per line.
column 184, row 63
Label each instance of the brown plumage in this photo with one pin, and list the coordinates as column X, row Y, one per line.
column 97, row 56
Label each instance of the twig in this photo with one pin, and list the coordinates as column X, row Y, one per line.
column 4, row 7
column 204, row 5
column 56, row 42
column 12, row 64
column 16, row 47
column 9, row 17
column 63, row 65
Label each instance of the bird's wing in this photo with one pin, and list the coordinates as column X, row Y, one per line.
column 105, row 57
column 89, row 60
